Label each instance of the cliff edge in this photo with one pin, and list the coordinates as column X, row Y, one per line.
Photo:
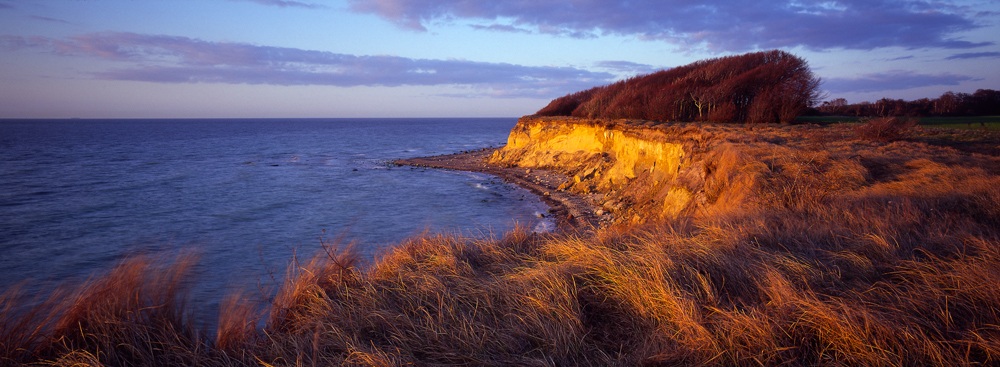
column 633, row 170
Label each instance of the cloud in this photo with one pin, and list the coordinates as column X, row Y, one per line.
column 891, row 80
column 718, row 25
column 172, row 59
column 626, row 67
column 6, row 6
column 14, row 43
column 47, row 19
column 285, row 4
column 973, row 55
column 500, row 28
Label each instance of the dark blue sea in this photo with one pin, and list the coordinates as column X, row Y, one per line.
column 76, row 196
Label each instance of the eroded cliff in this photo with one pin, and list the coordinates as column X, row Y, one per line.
column 634, row 170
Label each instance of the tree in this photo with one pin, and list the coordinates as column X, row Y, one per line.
column 759, row 87
column 986, row 102
column 946, row 105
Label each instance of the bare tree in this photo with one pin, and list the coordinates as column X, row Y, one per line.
column 758, row 87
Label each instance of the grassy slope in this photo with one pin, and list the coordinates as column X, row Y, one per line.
column 819, row 248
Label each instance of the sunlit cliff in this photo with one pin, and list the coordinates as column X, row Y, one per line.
column 655, row 171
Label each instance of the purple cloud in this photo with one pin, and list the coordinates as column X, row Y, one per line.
column 14, row 43
column 891, row 80
column 973, row 55
column 171, row 59
column 720, row 25
column 6, row 6
column 285, row 4
column 47, row 19
column 500, row 28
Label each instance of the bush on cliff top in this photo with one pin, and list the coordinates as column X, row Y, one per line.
column 759, row 87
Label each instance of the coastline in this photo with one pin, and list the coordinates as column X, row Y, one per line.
column 571, row 212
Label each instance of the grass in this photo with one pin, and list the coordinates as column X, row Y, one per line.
column 965, row 122
column 958, row 122
column 813, row 247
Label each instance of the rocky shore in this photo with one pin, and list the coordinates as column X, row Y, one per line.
column 593, row 173
column 571, row 211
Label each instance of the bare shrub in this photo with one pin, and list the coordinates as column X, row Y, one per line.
column 884, row 129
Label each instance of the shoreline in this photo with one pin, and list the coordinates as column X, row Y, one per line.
column 571, row 212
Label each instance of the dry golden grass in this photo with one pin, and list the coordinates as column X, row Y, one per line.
column 133, row 315
column 812, row 247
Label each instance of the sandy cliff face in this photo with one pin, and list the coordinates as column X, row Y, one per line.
column 635, row 172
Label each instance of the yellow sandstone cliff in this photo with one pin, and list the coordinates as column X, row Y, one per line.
column 635, row 170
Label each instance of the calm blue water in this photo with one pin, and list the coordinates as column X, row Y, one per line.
column 78, row 195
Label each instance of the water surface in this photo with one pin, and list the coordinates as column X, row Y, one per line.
column 78, row 195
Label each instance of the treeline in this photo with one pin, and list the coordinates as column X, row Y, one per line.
column 759, row 87
column 984, row 102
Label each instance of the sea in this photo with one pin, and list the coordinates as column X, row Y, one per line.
column 245, row 195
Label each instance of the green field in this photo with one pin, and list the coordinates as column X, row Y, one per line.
column 961, row 122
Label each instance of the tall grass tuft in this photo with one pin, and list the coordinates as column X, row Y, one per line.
column 26, row 323
column 135, row 314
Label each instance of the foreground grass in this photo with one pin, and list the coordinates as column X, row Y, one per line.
column 816, row 248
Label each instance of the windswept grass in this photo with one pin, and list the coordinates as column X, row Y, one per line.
column 133, row 315
column 814, row 248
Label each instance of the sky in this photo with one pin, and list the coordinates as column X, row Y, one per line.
column 455, row 58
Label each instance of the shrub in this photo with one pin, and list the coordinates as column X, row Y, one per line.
column 884, row 129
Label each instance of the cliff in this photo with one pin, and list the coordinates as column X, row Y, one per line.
column 636, row 170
